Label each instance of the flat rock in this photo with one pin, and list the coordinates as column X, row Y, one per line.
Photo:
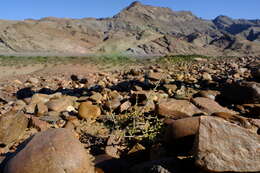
column 225, row 147
column 176, row 109
column 211, row 94
column 59, row 105
column 210, row 106
column 156, row 76
column 12, row 126
column 52, row 151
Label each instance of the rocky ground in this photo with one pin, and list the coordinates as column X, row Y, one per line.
column 198, row 116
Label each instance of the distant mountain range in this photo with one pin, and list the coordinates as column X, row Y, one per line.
column 138, row 29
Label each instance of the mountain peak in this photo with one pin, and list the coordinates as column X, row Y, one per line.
column 134, row 4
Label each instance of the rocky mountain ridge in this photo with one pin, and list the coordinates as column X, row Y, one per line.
column 138, row 29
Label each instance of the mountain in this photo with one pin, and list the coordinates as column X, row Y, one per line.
column 138, row 29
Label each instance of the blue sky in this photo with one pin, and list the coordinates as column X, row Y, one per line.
column 208, row 9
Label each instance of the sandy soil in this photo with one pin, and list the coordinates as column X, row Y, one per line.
column 12, row 73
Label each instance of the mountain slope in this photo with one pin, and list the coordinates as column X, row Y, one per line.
column 138, row 29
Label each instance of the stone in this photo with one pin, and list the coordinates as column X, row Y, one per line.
column 125, row 106
column 136, row 148
column 113, row 104
column 252, row 109
column 37, row 98
column 206, row 76
column 180, row 134
column 242, row 93
column 255, row 70
column 248, row 123
column 209, row 106
column 87, row 110
column 52, row 151
column 12, row 127
column 40, row 109
column 39, row 124
column 208, row 94
column 99, row 170
column 182, row 128
column 224, row 147
column 33, row 80
column 164, row 165
column 156, row 76
column 50, row 119
column 97, row 97
column 30, row 109
column 19, row 105
column 110, row 164
column 113, row 147
column 176, row 109
column 59, row 105
column 171, row 88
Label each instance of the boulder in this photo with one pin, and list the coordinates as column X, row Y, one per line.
column 182, row 128
column 52, row 151
column 210, row 106
column 12, row 126
column 180, row 134
column 176, row 109
column 244, row 92
column 221, row 146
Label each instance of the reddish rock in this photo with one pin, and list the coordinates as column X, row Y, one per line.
column 208, row 94
column 52, row 151
column 39, row 124
column 12, row 126
column 60, row 104
column 225, row 147
column 180, row 134
column 176, row 109
column 210, row 106
column 182, row 128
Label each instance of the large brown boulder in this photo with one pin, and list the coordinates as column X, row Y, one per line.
column 12, row 126
column 244, row 92
column 182, row 128
column 52, row 151
column 180, row 134
column 225, row 147
column 210, row 106
column 176, row 109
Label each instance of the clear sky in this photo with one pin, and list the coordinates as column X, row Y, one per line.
column 208, row 9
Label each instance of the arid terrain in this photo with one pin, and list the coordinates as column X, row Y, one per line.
column 138, row 29
column 149, row 90
column 170, row 114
